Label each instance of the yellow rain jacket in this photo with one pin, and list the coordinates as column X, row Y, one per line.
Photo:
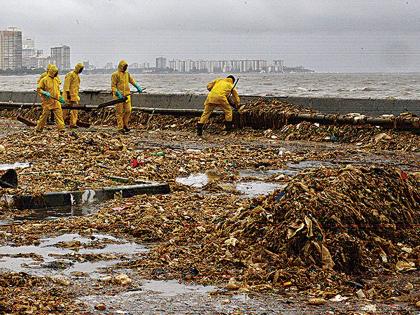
column 220, row 90
column 44, row 74
column 50, row 84
column 72, row 84
column 121, row 80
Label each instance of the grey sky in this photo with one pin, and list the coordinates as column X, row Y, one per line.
column 326, row 35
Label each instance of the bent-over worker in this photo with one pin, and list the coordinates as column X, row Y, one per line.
column 220, row 89
column 71, row 93
column 49, row 88
column 120, row 88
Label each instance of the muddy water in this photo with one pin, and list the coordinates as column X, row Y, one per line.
column 57, row 255
column 249, row 189
column 59, row 212
column 254, row 188
column 171, row 297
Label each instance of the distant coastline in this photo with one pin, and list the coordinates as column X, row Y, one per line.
column 286, row 70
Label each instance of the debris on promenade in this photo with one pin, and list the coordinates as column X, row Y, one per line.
column 24, row 294
column 342, row 221
column 329, row 230
column 282, row 121
column 275, row 114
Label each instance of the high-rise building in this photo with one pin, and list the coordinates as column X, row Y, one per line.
column 161, row 63
column 278, row 65
column 28, row 43
column 10, row 49
column 61, row 57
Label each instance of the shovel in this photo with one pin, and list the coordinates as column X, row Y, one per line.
column 117, row 101
column 231, row 102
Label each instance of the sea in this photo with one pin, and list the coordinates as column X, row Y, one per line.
column 352, row 85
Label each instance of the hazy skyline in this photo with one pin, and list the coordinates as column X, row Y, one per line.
column 325, row 35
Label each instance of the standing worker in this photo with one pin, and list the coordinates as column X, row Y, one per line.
column 71, row 93
column 220, row 89
column 49, row 88
column 120, row 88
column 43, row 75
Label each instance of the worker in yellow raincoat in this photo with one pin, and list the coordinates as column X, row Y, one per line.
column 220, row 90
column 120, row 88
column 71, row 93
column 49, row 88
column 43, row 75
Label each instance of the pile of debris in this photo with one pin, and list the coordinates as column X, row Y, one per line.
column 368, row 137
column 264, row 114
column 280, row 120
column 24, row 294
column 332, row 227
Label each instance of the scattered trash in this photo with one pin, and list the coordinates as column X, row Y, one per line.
column 360, row 294
column 100, row 307
column 329, row 224
column 317, row 301
column 233, row 285
column 339, row 298
column 134, row 163
column 332, row 231
column 122, row 279
column 369, row 308
column 405, row 266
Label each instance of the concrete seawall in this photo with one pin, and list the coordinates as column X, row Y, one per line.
column 372, row 107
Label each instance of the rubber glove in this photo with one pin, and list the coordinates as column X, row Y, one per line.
column 61, row 100
column 119, row 95
column 138, row 87
column 46, row 94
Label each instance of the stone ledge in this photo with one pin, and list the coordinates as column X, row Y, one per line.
column 71, row 198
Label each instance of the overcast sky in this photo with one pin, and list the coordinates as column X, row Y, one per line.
column 325, row 35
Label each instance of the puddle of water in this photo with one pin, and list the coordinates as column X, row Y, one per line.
column 4, row 167
column 292, row 169
column 253, row 189
column 194, row 180
column 51, row 253
column 309, row 164
column 260, row 173
column 199, row 180
column 173, row 288
column 59, row 212
column 249, row 189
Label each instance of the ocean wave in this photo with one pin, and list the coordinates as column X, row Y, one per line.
column 365, row 89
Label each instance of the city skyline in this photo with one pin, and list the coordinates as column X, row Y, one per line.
column 18, row 53
column 324, row 35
